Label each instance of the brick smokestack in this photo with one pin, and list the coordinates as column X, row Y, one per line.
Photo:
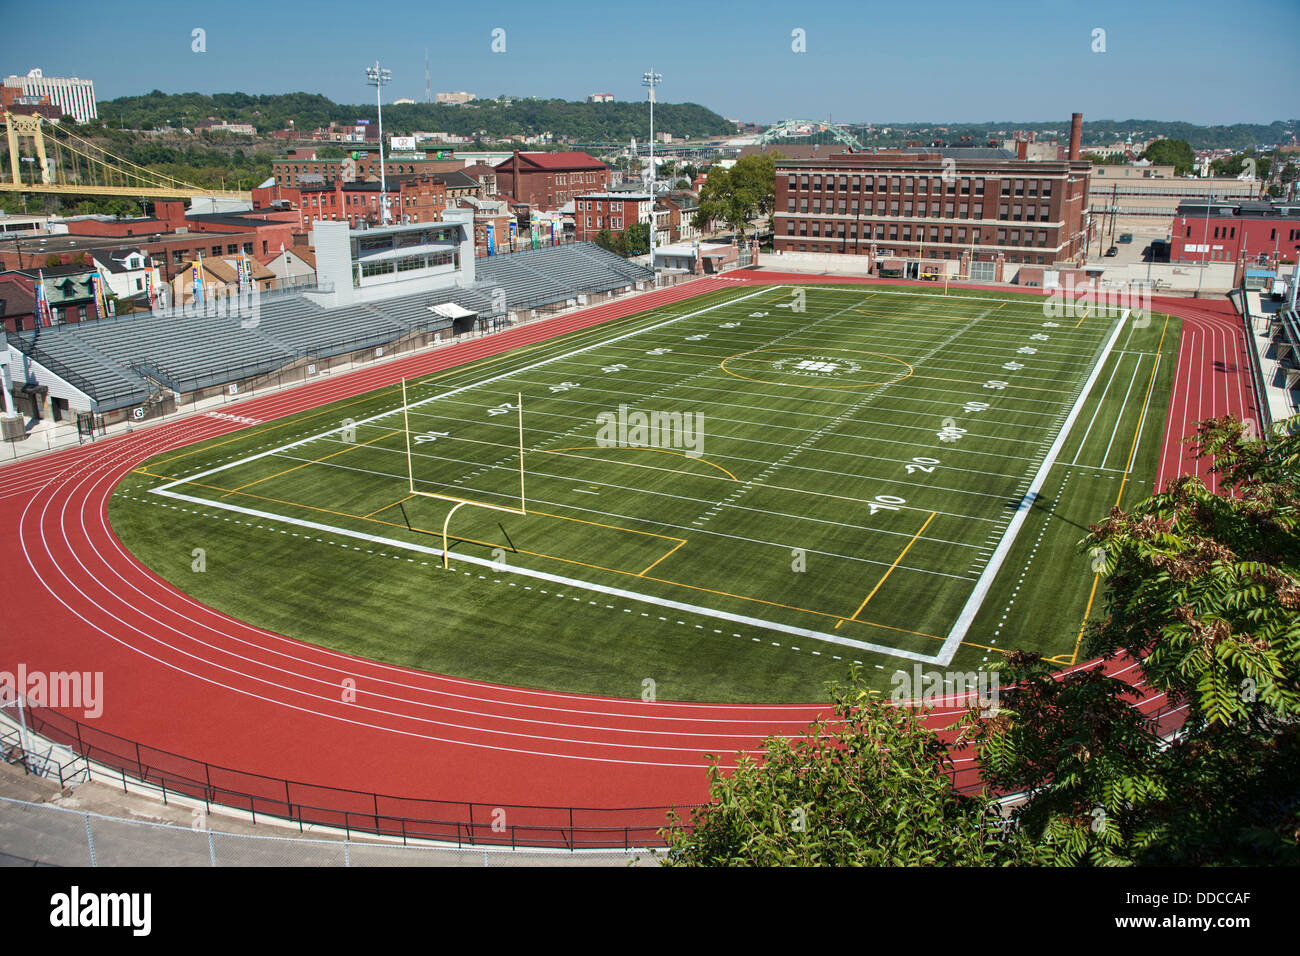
column 1022, row 149
column 1076, row 134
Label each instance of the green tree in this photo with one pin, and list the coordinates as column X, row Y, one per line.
column 1171, row 152
column 870, row 788
column 605, row 239
column 745, row 192
column 1233, row 165
column 636, row 239
column 1202, row 590
column 1203, row 593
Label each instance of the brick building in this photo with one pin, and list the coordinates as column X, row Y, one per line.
column 549, row 180
column 593, row 212
column 69, row 289
column 412, row 198
column 358, row 166
column 934, row 203
column 492, row 221
column 169, row 252
column 1231, row 231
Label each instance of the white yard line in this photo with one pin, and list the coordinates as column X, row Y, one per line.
column 985, row 582
column 498, row 567
column 1119, row 418
column 455, row 391
column 944, row 654
column 1101, row 400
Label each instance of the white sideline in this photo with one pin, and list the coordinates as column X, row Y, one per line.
column 500, row 567
column 985, row 582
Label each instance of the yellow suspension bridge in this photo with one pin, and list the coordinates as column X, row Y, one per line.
column 67, row 164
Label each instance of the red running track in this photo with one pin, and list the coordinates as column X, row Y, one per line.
column 186, row 679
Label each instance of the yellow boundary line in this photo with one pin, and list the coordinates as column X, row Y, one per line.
column 1128, row 468
column 890, row 570
column 314, row 461
column 635, row 574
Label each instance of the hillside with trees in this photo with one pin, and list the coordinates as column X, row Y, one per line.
column 501, row 118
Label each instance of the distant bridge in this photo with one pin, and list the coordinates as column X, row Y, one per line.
column 46, row 159
column 799, row 128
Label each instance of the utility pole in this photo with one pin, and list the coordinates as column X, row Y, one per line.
column 377, row 78
column 652, row 79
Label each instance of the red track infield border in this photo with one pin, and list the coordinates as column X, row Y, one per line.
column 189, row 680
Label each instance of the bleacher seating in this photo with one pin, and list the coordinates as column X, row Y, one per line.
column 115, row 359
column 1286, row 345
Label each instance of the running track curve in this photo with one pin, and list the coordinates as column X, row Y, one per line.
column 186, row 679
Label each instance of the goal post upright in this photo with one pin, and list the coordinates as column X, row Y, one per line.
column 454, row 500
column 523, row 501
column 406, row 429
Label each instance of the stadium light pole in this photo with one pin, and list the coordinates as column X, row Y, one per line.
column 377, row 78
column 652, row 79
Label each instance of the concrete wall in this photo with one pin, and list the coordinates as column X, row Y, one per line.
column 1177, row 277
column 333, row 263
column 817, row 262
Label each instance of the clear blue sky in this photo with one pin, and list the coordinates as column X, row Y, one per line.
column 865, row 61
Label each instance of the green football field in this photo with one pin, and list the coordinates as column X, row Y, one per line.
column 736, row 497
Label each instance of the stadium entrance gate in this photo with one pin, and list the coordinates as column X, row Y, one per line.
column 983, row 271
column 89, row 426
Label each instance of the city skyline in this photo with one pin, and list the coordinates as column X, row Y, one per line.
column 1016, row 63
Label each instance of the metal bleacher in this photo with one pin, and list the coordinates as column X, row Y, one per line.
column 1286, row 344
column 119, row 361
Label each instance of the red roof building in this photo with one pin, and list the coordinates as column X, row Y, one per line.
column 546, row 181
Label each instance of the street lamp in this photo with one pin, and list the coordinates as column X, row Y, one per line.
column 652, row 79
column 377, row 78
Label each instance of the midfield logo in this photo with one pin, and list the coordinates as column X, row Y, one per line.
column 817, row 366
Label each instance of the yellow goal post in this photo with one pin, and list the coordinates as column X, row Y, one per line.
column 456, row 501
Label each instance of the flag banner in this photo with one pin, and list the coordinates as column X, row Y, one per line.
column 491, row 240
column 97, row 291
column 44, row 313
column 198, row 286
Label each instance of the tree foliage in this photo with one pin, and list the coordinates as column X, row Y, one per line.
column 870, row 788
column 1203, row 597
column 1235, row 164
column 1171, row 152
column 498, row 119
column 740, row 194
